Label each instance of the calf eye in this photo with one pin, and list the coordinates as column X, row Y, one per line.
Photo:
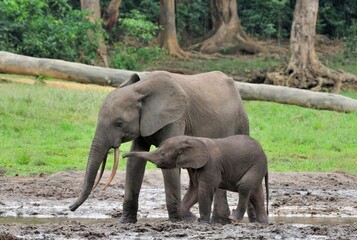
column 118, row 123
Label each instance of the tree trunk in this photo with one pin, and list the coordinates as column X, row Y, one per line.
column 93, row 8
column 227, row 30
column 111, row 15
column 304, row 69
column 17, row 64
column 167, row 35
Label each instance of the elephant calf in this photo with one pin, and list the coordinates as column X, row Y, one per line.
column 236, row 163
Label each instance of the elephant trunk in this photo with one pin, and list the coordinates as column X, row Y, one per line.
column 98, row 154
column 142, row 155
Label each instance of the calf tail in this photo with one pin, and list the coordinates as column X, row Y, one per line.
column 267, row 191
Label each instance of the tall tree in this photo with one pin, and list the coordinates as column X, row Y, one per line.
column 227, row 31
column 111, row 15
column 304, row 69
column 93, row 8
column 167, row 35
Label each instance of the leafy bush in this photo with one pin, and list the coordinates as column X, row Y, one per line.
column 135, row 25
column 132, row 58
column 135, row 47
column 193, row 21
column 268, row 19
column 335, row 17
column 350, row 49
column 46, row 28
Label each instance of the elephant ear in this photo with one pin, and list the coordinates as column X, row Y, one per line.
column 133, row 79
column 163, row 102
column 195, row 155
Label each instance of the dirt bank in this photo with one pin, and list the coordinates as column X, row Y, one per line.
column 302, row 206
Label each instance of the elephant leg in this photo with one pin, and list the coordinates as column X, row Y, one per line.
column 135, row 169
column 190, row 198
column 257, row 200
column 251, row 211
column 238, row 214
column 205, row 197
column 221, row 210
column 173, row 193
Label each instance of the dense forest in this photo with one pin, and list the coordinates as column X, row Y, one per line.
column 128, row 34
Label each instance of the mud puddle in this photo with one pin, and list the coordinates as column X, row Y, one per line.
column 291, row 220
column 301, row 206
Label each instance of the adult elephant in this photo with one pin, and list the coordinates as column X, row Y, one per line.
column 152, row 109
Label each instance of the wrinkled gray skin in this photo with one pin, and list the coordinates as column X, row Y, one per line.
column 236, row 163
column 155, row 108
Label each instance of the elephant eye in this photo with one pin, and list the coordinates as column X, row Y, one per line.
column 179, row 152
column 118, row 123
column 162, row 153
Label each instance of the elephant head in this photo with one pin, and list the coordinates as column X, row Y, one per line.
column 180, row 151
column 136, row 108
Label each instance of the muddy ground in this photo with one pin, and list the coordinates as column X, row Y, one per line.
column 302, row 206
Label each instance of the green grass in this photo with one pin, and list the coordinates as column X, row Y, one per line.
column 301, row 139
column 47, row 130
column 338, row 62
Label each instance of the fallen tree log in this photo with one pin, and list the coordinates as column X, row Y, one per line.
column 82, row 73
column 294, row 96
column 23, row 65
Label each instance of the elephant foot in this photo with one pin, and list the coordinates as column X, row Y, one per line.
column 127, row 219
column 220, row 220
column 201, row 221
column 234, row 219
column 189, row 217
column 265, row 221
column 175, row 219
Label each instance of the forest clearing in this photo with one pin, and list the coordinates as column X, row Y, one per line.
column 86, row 81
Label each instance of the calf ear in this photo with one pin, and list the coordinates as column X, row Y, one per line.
column 133, row 79
column 195, row 155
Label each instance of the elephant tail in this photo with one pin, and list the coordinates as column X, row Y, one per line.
column 267, row 191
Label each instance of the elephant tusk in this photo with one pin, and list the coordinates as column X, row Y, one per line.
column 115, row 167
column 100, row 174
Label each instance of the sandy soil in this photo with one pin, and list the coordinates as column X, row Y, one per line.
column 302, row 206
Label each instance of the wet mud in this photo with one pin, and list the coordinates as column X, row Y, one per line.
column 302, row 206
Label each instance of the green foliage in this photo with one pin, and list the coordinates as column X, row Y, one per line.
column 150, row 9
column 135, row 46
column 132, row 58
column 335, row 17
column 193, row 21
column 135, row 25
column 267, row 19
column 46, row 28
column 350, row 49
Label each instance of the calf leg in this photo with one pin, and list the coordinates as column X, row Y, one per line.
column 205, row 197
column 190, row 198
column 245, row 187
column 251, row 211
column 238, row 214
column 221, row 209
column 257, row 200
column 173, row 193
